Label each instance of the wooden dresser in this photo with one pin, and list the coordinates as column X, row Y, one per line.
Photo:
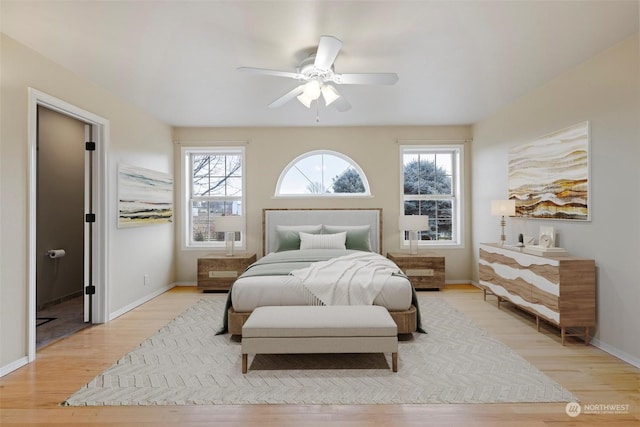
column 560, row 290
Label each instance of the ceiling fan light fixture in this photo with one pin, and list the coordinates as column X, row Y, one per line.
column 330, row 94
column 305, row 100
column 312, row 89
column 310, row 93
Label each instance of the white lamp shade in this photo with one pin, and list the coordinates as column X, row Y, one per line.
column 228, row 223
column 305, row 100
column 503, row 207
column 330, row 94
column 413, row 222
column 312, row 89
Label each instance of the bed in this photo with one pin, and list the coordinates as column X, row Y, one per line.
column 300, row 244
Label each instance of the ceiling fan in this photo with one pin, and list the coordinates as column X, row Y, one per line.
column 318, row 78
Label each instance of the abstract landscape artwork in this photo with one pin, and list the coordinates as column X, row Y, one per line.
column 549, row 176
column 144, row 197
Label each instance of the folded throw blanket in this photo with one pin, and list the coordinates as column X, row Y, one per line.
column 354, row 279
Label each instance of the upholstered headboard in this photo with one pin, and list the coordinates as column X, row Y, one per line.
column 273, row 217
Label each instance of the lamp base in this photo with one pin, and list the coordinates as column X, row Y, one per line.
column 230, row 238
column 503, row 237
column 413, row 242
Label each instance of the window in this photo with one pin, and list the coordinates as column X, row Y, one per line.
column 213, row 186
column 322, row 173
column 431, row 179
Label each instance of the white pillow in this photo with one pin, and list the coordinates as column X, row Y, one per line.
column 323, row 241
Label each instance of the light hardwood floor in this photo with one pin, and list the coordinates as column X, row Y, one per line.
column 32, row 394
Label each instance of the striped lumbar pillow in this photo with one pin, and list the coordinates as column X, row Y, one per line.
column 323, row 241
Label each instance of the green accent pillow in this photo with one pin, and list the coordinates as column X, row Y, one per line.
column 289, row 235
column 357, row 235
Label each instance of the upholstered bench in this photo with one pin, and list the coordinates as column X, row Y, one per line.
column 320, row 329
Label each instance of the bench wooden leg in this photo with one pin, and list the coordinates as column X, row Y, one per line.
column 394, row 362
column 244, row 363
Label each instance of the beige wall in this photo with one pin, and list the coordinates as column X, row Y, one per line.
column 136, row 138
column 375, row 149
column 605, row 91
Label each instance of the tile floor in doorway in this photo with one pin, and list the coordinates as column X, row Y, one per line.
column 59, row 321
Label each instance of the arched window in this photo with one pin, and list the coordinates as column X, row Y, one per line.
column 322, row 173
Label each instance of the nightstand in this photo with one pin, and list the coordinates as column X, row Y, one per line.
column 217, row 272
column 425, row 270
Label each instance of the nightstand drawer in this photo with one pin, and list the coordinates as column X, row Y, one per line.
column 231, row 274
column 425, row 270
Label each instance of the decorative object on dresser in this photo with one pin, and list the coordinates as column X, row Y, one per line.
column 217, row 272
column 528, row 240
column 413, row 224
column 546, row 244
column 425, row 270
column 559, row 289
column 503, row 208
column 229, row 224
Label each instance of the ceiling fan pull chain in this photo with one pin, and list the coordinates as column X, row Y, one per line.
column 318, row 110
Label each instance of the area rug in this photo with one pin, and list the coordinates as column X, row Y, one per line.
column 186, row 364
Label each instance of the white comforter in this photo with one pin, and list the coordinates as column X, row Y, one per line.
column 354, row 279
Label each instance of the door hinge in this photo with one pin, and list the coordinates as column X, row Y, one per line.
column 90, row 218
column 90, row 290
column 90, row 146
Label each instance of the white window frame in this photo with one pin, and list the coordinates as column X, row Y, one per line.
column 354, row 165
column 457, row 198
column 186, row 172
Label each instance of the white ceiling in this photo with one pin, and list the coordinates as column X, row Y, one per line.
column 458, row 61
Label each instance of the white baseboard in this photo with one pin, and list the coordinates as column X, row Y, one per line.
column 616, row 352
column 7, row 369
column 141, row 301
column 185, row 284
column 458, row 282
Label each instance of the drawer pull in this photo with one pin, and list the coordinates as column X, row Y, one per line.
column 222, row 274
column 419, row 271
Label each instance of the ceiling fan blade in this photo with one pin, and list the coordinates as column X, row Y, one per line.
column 287, row 97
column 366, row 78
column 328, row 49
column 267, row 72
column 341, row 104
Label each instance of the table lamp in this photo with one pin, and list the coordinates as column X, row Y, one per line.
column 503, row 208
column 413, row 224
column 229, row 224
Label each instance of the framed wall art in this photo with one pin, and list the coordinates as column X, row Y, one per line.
column 549, row 176
column 144, row 197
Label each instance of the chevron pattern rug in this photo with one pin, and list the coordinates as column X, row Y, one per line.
column 186, row 364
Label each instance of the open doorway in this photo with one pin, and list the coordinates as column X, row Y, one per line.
column 60, row 226
column 92, row 217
